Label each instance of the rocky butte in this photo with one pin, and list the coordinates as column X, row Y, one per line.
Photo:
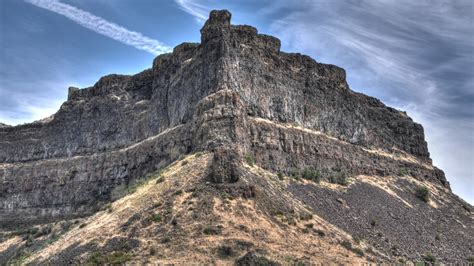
column 227, row 151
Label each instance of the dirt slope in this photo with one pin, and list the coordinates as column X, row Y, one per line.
column 177, row 217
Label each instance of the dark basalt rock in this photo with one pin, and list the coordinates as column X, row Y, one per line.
column 225, row 166
column 235, row 93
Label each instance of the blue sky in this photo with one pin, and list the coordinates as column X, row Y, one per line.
column 416, row 56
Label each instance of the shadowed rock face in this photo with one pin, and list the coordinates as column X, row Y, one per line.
column 235, row 93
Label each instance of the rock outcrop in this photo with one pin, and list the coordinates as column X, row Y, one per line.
column 124, row 126
column 234, row 95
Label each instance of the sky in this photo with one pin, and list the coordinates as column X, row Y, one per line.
column 416, row 56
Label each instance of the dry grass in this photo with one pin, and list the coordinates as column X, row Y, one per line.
column 239, row 221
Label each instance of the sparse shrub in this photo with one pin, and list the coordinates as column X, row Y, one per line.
column 178, row 192
column 33, row 231
column 280, row 176
column 65, row 225
column 184, row 163
column 211, row 231
column 437, row 237
column 429, row 258
column 133, row 187
column 112, row 258
column 356, row 239
column 470, row 260
column 348, row 245
column 403, row 171
column 358, row 251
column 291, row 221
column 305, row 216
column 305, row 230
column 320, row 232
column 295, row 174
column 153, row 251
column 422, row 193
column 250, row 159
column 339, row 178
column 46, row 230
column 174, row 222
column 108, row 207
column 165, row 239
column 278, row 213
column 199, row 154
column 19, row 258
column 373, row 223
column 155, row 218
column 29, row 240
column 225, row 251
column 160, row 179
column 82, row 225
column 252, row 258
column 309, row 225
column 312, row 174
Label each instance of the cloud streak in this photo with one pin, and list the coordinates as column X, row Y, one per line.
column 102, row 26
column 199, row 10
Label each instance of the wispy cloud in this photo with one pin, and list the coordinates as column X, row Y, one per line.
column 198, row 9
column 102, row 26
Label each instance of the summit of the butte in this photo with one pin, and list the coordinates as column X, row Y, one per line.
column 227, row 151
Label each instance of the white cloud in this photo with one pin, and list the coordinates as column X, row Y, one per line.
column 103, row 26
column 197, row 9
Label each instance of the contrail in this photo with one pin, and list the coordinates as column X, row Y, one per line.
column 103, row 26
column 199, row 11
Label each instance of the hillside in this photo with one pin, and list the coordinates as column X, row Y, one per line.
column 227, row 151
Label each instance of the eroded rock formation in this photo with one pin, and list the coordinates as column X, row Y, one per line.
column 235, row 89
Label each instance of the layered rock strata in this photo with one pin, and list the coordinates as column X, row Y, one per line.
column 235, row 94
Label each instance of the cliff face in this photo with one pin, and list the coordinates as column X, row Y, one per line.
column 105, row 136
column 259, row 116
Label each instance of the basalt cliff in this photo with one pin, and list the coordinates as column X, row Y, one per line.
column 227, row 151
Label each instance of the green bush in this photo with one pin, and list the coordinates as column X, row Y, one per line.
column 358, row 251
column 280, row 176
column 46, row 230
column 112, row 258
column 155, row 218
column 250, row 159
column 422, row 193
column 339, row 178
column 403, row 171
column 305, row 216
column 429, row 258
column 309, row 173
column 348, row 245
column 295, row 174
